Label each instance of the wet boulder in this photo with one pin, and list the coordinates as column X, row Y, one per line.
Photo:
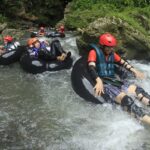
column 135, row 43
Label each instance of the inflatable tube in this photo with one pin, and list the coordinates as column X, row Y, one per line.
column 55, row 34
column 34, row 65
column 82, row 82
column 52, row 34
column 12, row 56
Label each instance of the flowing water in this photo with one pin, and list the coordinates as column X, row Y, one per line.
column 42, row 112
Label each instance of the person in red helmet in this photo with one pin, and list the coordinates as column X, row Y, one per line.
column 9, row 44
column 101, row 65
column 42, row 31
column 8, row 38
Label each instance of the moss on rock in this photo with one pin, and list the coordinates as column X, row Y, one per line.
column 134, row 42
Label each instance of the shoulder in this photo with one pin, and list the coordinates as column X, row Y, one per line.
column 92, row 52
column 92, row 56
column 117, row 57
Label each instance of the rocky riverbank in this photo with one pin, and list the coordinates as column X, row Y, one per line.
column 127, row 20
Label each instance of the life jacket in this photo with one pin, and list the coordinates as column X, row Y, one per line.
column 105, row 68
column 42, row 47
column 11, row 46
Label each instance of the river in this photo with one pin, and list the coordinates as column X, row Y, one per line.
column 42, row 112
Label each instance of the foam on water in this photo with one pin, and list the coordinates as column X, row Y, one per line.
column 43, row 112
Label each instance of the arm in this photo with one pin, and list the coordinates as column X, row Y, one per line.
column 46, row 43
column 126, row 65
column 99, row 89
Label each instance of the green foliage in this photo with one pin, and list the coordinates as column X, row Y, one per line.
column 86, row 4
column 2, row 18
column 84, row 12
column 82, row 4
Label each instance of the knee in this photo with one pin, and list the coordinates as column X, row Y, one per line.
column 132, row 89
column 139, row 90
column 128, row 103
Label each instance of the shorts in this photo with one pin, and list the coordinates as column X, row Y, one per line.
column 114, row 91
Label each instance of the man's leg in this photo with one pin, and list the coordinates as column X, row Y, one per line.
column 57, row 50
column 128, row 104
column 140, row 93
column 57, row 46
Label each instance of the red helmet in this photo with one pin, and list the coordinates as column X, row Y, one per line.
column 42, row 28
column 107, row 39
column 8, row 38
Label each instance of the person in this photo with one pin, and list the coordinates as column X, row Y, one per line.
column 101, row 65
column 61, row 29
column 41, row 32
column 46, row 51
column 9, row 44
column 59, row 32
column 34, row 35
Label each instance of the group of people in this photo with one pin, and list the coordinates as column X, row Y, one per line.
column 101, row 64
column 45, row 50
column 42, row 31
column 36, row 47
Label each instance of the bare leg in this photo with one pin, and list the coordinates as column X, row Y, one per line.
column 128, row 104
column 145, row 119
column 140, row 93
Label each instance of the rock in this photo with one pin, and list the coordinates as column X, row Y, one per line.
column 2, row 26
column 134, row 42
column 48, row 12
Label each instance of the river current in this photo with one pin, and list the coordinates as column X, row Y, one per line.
column 42, row 112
